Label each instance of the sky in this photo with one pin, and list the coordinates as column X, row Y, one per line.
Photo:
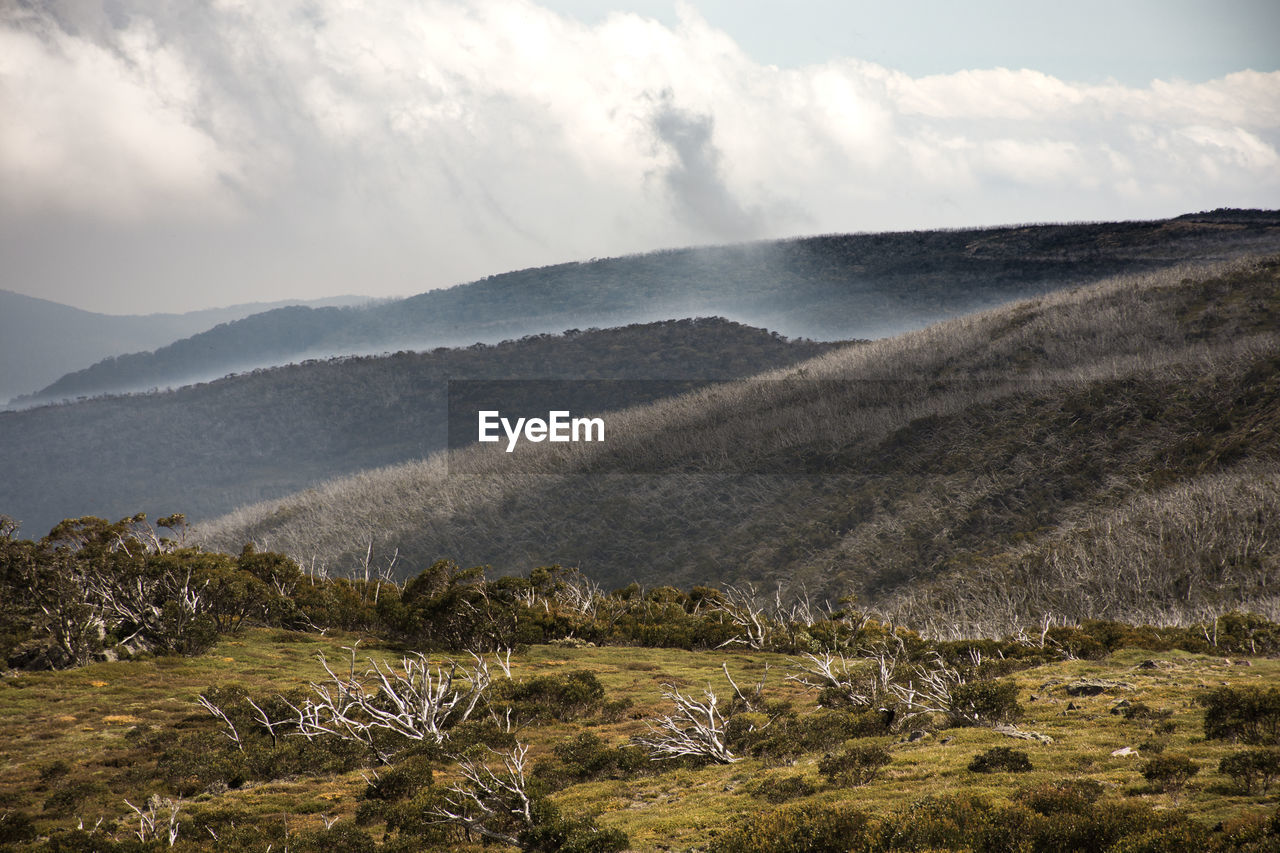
column 161, row 156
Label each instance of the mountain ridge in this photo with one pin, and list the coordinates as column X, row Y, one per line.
column 825, row 287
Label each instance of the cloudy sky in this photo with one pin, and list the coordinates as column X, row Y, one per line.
column 165, row 156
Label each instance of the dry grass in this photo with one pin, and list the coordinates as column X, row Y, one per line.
column 673, row 808
column 968, row 447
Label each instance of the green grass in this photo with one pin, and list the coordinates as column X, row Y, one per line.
column 82, row 717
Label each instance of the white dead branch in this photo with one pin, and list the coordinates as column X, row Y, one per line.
column 695, row 729
column 419, row 703
column 152, row 825
column 866, row 681
column 742, row 606
column 496, row 805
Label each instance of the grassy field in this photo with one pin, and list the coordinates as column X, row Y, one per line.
column 70, row 749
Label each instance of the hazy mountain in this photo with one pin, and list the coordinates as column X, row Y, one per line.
column 207, row 448
column 833, row 287
column 42, row 340
column 1110, row 451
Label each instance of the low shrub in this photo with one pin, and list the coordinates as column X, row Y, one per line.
column 797, row 828
column 1169, row 772
column 1252, row 769
column 1246, row 714
column 1067, row 796
column 789, row 735
column 986, row 702
column 853, row 766
column 587, row 757
column 780, row 789
column 16, row 827
column 561, row 697
column 66, row 799
column 1001, row 759
column 399, row 781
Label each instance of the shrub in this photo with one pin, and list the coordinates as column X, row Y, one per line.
column 553, row 832
column 16, row 827
column 853, row 766
column 798, row 828
column 789, row 735
column 1143, row 711
column 1067, row 796
column 1252, row 768
column 587, row 757
column 988, row 701
column 341, row 836
column 1247, row 714
column 400, row 781
column 561, row 697
column 1001, row 759
column 1169, row 772
column 780, row 789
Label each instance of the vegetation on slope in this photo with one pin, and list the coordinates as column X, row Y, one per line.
column 832, row 287
column 811, row 729
column 1108, row 451
column 212, row 447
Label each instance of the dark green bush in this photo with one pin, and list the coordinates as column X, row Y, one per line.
column 587, row 757
column 1247, row 714
column 399, row 781
column 1001, row 759
column 553, row 832
column 16, row 827
column 1067, row 796
column 1169, row 772
column 985, row 701
column 853, row 766
column 559, row 697
column 1252, row 769
column 66, row 799
column 789, row 735
column 344, row 837
column 797, row 828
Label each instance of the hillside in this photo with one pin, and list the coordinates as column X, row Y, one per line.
column 830, row 288
column 42, row 340
column 79, row 743
column 208, row 448
column 1104, row 452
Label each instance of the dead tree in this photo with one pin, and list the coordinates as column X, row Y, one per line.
column 746, row 613
column 696, row 729
column 152, row 826
column 495, row 805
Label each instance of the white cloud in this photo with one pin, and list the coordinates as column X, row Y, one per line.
column 421, row 144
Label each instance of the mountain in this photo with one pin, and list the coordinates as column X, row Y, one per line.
column 42, row 340
column 1109, row 451
column 833, row 287
column 208, row 448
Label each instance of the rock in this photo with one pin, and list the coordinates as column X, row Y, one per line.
column 1095, row 686
column 1124, row 752
column 918, row 734
column 1021, row 734
column 36, row 655
column 1155, row 664
column 1071, row 706
column 1119, row 707
column 1244, row 663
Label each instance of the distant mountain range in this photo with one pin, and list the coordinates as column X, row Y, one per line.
column 42, row 340
column 1106, row 452
column 205, row 449
column 832, row 287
